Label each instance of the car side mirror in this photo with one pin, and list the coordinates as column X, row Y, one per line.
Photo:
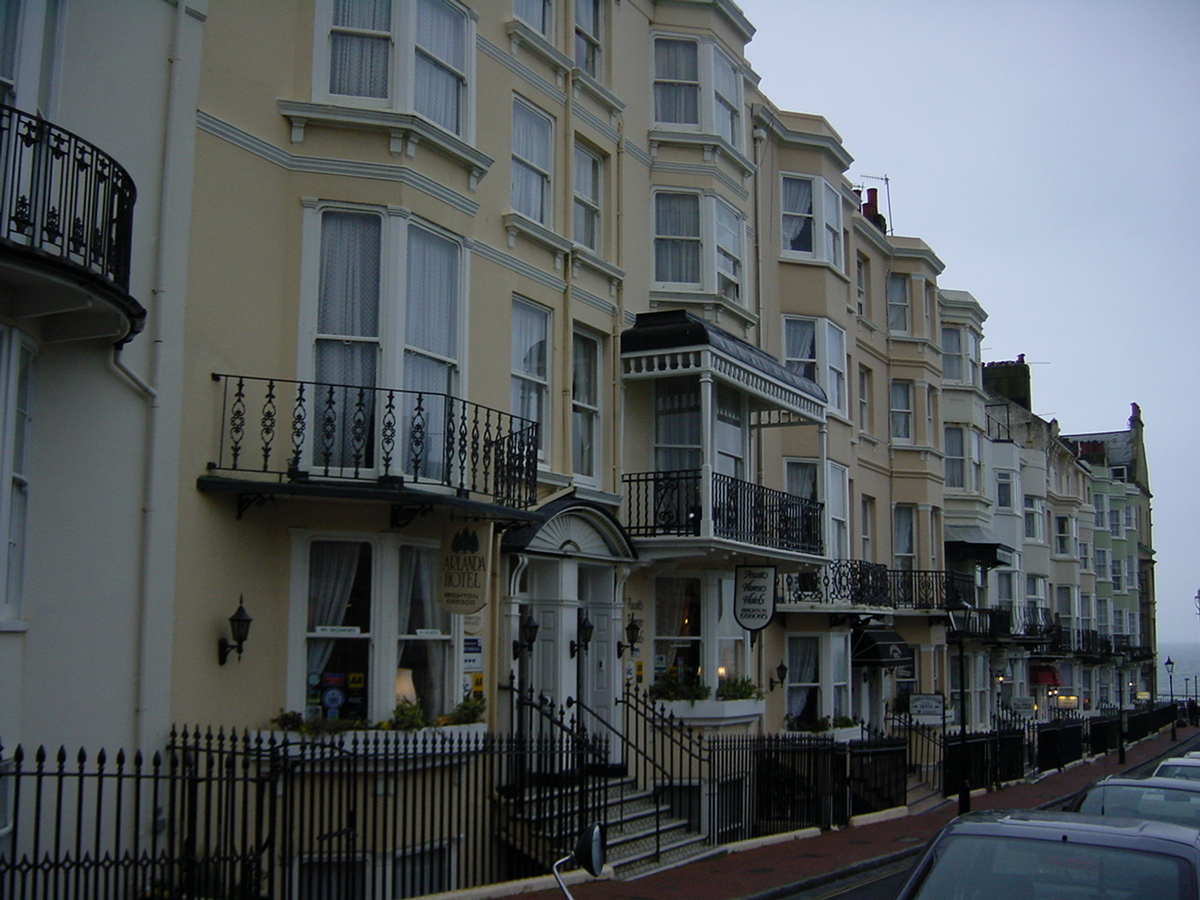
column 589, row 854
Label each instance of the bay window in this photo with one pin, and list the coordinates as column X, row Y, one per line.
column 818, row 679
column 960, row 355
column 396, row 55
column 816, row 349
column 368, row 632
column 812, row 219
column 1035, row 518
column 362, row 331
column 837, row 505
column 697, row 87
column 699, row 245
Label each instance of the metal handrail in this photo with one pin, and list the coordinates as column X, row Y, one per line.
column 667, row 780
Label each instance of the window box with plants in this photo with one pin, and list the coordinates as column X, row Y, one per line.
column 736, row 699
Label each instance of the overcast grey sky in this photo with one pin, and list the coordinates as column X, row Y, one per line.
column 1049, row 152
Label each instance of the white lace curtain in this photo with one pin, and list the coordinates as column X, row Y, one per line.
column 531, row 162
column 440, row 63
column 331, row 569
column 676, row 82
column 359, row 63
column 420, row 611
column 677, row 241
column 803, row 701
column 800, row 347
column 347, row 345
column 677, row 424
column 797, row 214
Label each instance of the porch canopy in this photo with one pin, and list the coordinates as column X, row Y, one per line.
column 1047, row 675
column 879, row 647
column 977, row 543
column 677, row 342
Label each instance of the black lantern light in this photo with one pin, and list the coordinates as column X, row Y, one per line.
column 633, row 634
column 239, row 628
column 586, row 628
column 528, row 633
column 781, row 673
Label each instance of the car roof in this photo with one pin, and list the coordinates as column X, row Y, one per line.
column 1066, row 826
column 1170, row 784
column 1188, row 760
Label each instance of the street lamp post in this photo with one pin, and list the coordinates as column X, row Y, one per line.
column 1170, row 666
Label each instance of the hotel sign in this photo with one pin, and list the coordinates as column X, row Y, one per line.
column 463, row 569
column 753, row 596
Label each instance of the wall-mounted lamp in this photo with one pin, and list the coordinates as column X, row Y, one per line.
column 781, row 672
column 585, row 637
column 633, row 634
column 528, row 634
column 239, row 627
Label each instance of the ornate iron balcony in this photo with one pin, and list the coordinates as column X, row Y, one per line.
column 62, row 198
column 303, row 430
column 856, row 583
column 670, row 504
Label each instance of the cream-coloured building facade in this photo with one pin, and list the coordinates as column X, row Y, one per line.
column 469, row 316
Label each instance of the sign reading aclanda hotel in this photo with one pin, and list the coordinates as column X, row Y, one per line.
column 463, row 573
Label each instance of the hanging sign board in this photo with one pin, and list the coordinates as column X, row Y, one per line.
column 463, row 569
column 753, row 596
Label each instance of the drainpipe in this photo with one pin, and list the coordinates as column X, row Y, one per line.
column 150, row 654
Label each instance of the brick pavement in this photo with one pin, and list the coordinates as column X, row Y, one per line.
column 769, row 871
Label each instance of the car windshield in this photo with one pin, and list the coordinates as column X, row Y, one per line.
column 980, row 867
column 1137, row 802
column 1174, row 770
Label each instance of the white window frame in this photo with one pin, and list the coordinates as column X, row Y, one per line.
column 384, row 652
column 719, row 99
column 1035, row 519
column 828, row 367
column 866, row 404
column 898, row 303
column 527, row 382
column 540, row 172
column 862, row 284
column 1103, row 571
column 402, row 63
column 585, row 409
column 954, row 451
column 901, row 415
column 712, row 276
column 17, row 377
column 588, row 189
column 825, row 221
column 590, row 44
column 537, row 14
column 833, row 693
column 399, row 356
column 837, row 510
column 904, row 536
column 866, row 527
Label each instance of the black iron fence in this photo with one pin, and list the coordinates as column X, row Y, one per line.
column 303, row 430
column 62, row 197
column 379, row 814
column 663, row 504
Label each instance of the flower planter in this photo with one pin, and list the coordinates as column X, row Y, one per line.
column 718, row 711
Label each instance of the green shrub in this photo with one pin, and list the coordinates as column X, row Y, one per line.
column 738, row 689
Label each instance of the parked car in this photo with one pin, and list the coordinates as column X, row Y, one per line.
column 1179, row 767
column 1028, row 854
column 1161, row 799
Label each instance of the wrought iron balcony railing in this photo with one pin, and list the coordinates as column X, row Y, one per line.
column 982, row 624
column 857, row 583
column 1030, row 621
column 63, row 198
column 672, row 504
column 302, row 430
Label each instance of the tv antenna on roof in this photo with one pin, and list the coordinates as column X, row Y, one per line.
column 887, row 190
